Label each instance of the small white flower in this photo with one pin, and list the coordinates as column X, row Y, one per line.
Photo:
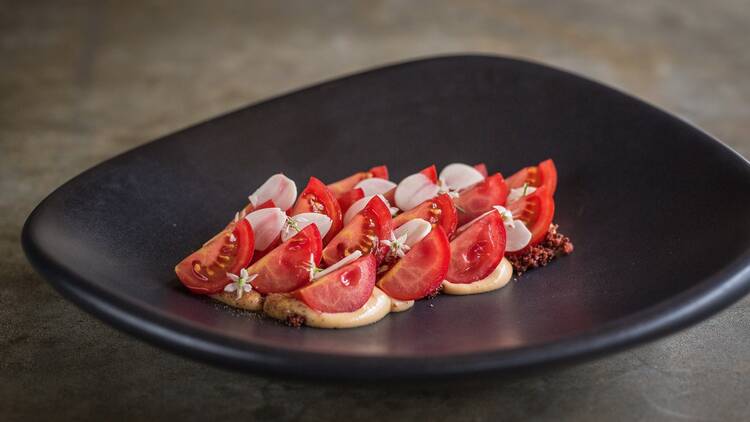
column 397, row 246
column 506, row 215
column 232, row 238
column 445, row 188
column 240, row 284
column 312, row 268
column 236, row 216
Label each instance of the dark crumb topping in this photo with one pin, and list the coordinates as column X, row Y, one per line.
column 295, row 320
column 553, row 245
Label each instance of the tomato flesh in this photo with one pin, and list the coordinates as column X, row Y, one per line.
column 287, row 267
column 478, row 199
column 482, row 168
column 544, row 174
column 536, row 211
column 318, row 198
column 436, row 211
column 205, row 271
column 345, row 185
column 347, row 199
column 421, row 271
column 477, row 250
column 344, row 290
column 363, row 233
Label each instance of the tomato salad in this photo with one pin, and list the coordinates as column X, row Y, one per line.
column 348, row 253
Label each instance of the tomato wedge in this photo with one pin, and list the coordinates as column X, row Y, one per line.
column 421, row 271
column 437, row 211
column 478, row 199
column 363, row 233
column 482, row 168
column 347, row 199
column 344, row 290
column 287, row 267
column 205, row 271
column 345, row 185
column 477, row 250
column 317, row 198
column 431, row 173
column 543, row 174
column 536, row 211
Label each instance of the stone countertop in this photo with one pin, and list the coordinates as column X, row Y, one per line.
column 83, row 81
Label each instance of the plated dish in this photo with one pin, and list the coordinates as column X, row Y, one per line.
column 646, row 196
column 316, row 259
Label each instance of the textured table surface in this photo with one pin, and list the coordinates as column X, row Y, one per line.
column 81, row 82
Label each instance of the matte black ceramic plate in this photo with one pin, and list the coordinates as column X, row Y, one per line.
column 657, row 210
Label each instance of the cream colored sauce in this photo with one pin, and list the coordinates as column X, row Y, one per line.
column 281, row 306
column 401, row 305
column 250, row 301
column 498, row 278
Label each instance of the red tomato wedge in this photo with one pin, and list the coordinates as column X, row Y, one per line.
column 345, row 185
column 437, row 211
column 363, row 233
column 421, row 271
column 347, row 199
column 478, row 199
column 477, row 250
column 205, row 271
column 536, row 211
column 431, row 173
column 344, row 290
column 482, row 168
column 317, row 198
column 287, row 267
column 544, row 174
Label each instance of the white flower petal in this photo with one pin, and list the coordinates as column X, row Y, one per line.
column 414, row 230
column 343, row 262
column 414, row 190
column 278, row 188
column 267, row 224
column 233, row 277
column 460, row 176
column 517, row 237
column 303, row 220
column 517, row 193
column 247, row 287
column 230, row 287
column 358, row 205
column 375, row 185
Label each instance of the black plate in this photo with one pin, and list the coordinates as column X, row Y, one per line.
column 657, row 210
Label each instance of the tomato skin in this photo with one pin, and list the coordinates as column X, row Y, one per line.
column 239, row 254
column 482, row 168
column 536, row 211
column 347, row 199
column 421, row 271
column 379, row 171
column 363, row 233
column 390, row 196
column 478, row 199
column 344, row 290
column 431, row 173
column 477, row 250
column 544, row 174
column 318, row 198
column 439, row 210
column 343, row 186
column 286, row 268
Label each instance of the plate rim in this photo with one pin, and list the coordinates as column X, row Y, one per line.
column 704, row 299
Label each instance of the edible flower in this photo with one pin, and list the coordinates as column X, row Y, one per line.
column 397, row 245
column 240, row 284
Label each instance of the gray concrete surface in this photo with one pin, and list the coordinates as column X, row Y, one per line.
column 83, row 81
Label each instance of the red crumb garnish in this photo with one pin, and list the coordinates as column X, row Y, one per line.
column 295, row 320
column 553, row 245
